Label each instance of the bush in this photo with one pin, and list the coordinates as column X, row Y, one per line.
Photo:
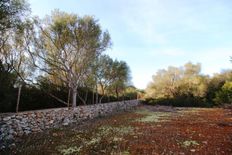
column 225, row 94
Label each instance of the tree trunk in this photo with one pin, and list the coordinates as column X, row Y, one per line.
column 18, row 98
column 86, row 96
column 96, row 95
column 100, row 101
column 74, row 97
column 83, row 100
column 103, row 93
column 69, row 92
column 93, row 97
column 116, row 91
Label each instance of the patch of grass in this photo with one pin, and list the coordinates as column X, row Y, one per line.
column 152, row 116
column 105, row 130
column 97, row 138
column 126, row 153
column 63, row 149
column 189, row 143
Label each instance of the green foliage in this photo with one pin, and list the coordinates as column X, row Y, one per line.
column 225, row 94
column 12, row 13
column 7, row 81
column 215, row 84
column 131, row 92
column 185, row 86
column 178, row 86
column 112, row 76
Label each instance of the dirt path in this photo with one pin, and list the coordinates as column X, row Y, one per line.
column 148, row 130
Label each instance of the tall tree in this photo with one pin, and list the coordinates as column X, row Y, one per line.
column 121, row 79
column 165, row 83
column 112, row 75
column 67, row 45
column 105, row 73
column 13, row 26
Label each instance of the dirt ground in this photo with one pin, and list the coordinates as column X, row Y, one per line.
column 149, row 130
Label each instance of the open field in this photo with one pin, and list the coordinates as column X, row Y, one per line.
column 147, row 130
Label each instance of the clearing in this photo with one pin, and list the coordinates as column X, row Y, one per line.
column 148, row 130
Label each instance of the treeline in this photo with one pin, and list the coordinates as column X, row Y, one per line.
column 186, row 86
column 56, row 61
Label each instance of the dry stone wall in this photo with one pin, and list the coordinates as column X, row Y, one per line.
column 13, row 125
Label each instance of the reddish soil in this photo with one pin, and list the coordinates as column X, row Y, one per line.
column 210, row 128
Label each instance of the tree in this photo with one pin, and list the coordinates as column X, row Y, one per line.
column 192, row 83
column 216, row 83
column 23, row 65
column 7, row 81
column 13, row 26
column 132, row 92
column 165, row 83
column 225, row 94
column 112, row 75
column 122, row 77
column 105, row 73
column 179, row 84
column 67, row 45
column 86, row 85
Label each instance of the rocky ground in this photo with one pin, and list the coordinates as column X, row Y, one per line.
column 147, row 130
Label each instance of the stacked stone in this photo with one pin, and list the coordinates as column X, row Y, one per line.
column 16, row 125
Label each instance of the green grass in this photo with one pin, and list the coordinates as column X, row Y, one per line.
column 150, row 116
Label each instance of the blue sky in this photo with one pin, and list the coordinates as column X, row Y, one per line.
column 154, row 34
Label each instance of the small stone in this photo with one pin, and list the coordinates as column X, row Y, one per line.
column 205, row 142
column 19, row 117
column 35, row 130
column 6, row 118
column 193, row 150
column 65, row 124
column 13, row 145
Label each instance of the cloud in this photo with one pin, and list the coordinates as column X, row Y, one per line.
column 158, row 22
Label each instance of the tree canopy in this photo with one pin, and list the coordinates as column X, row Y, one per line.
column 186, row 86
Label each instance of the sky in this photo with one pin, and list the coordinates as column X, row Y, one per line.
column 154, row 34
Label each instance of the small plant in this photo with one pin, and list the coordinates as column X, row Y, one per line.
column 189, row 143
column 69, row 150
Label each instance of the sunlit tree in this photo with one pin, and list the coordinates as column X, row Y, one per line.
column 66, row 45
